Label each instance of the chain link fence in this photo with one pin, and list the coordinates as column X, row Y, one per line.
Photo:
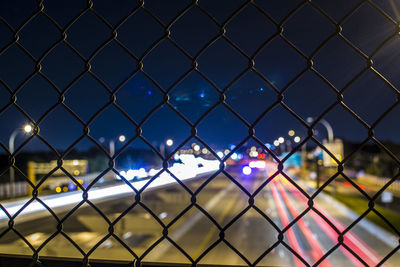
column 109, row 30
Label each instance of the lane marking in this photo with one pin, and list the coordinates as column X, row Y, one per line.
column 177, row 234
column 212, row 231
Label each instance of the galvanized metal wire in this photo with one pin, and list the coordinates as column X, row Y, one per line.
column 251, row 58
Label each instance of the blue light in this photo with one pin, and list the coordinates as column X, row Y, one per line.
column 149, row 92
column 202, row 94
column 71, row 187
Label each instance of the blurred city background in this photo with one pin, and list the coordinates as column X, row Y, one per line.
column 220, row 132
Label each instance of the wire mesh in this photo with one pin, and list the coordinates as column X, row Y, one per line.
column 110, row 34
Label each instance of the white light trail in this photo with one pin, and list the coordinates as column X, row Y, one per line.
column 188, row 169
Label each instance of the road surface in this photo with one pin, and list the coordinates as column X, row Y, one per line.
column 251, row 234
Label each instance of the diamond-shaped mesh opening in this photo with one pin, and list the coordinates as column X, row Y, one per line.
column 51, row 124
column 144, row 38
column 268, row 129
column 168, row 203
column 144, row 232
column 202, row 31
column 193, row 89
column 21, row 66
column 87, row 34
column 41, row 92
column 250, row 89
column 342, row 67
column 279, row 68
column 358, row 130
column 382, row 96
column 87, row 228
column 17, row 13
column 137, row 90
column 222, row 56
column 72, row 67
column 35, row 43
column 165, row 115
column 120, row 121
column 202, row 240
column 362, row 37
column 267, row 239
column 296, row 97
column 240, row 29
column 165, row 72
column 217, row 132
column 74, row 96
column 113, row 74
column 221, row 123
column 313, row 26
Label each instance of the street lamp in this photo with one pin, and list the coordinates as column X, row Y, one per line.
column 122, row 138
column 111, row 143
column 169, row 142
column 327, row 126
column 26, row 129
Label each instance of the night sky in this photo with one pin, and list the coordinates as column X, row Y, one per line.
column 221, row 63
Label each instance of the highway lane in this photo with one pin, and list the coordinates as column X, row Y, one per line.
column 251, row 234
column 222, row 200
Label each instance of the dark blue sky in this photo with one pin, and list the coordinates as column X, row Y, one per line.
column 250, row 95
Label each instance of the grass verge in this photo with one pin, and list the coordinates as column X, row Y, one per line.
column 359, row 206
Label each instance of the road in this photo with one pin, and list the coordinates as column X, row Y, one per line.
column 251, row 234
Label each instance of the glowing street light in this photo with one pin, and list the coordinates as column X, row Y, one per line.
column 122, row 138
column 281, row 140
column 196, row 148
column 28, row 128
column 291, row 133
column 276, row 143
column 169, row 142
column 297, row 139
